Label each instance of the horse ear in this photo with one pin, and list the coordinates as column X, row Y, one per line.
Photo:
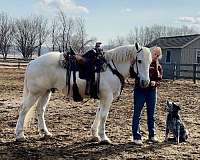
column 137, row 46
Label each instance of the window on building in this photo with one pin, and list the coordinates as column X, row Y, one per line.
column 198, row 56
column 168, row 57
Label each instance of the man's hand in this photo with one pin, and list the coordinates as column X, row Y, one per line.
column 153, row 83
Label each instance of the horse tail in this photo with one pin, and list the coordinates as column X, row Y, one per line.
column 30, row 117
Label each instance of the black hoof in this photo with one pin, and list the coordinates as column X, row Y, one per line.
column 94, row 139
column 46, row 137
column 20, row 139
column 105, row 142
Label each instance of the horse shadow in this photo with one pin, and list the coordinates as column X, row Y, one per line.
column 54, row 148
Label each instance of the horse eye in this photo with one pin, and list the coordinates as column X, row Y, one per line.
column 139, row 61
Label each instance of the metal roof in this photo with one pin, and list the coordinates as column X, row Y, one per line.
column 174, row 42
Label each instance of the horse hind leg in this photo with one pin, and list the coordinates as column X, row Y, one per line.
column 41, row 107
column 27, row 103
column 95, row 125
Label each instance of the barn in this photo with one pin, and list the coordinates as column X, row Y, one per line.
column 178, row 51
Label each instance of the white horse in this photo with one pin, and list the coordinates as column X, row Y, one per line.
column 45, row 73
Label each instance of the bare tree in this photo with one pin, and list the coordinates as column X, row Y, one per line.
column 131, row 37
column 80, row 39
column 27, row 35
column 6, row 34
column 42, row 32
column 67, row 31
column 67, row 25
column 81, row 34
column 118, row 41
column 70, row 31
column 54, row 34
column 111, row 44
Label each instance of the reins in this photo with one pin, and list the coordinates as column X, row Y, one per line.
column 119, row 75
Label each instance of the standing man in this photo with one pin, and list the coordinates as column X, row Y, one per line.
column 149, row 96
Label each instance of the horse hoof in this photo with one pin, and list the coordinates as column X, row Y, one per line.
column 94, row 139
column 49, row 135
column 105, row 142
column 42, row 133
column 22, row 139
column 45, row 137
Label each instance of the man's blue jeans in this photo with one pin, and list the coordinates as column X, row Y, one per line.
column 140, row 97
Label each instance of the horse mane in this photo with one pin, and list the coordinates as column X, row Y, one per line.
column 121, row 54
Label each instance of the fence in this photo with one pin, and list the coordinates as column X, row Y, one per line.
column 14, row 62
column 171, row 70
column 181, row 71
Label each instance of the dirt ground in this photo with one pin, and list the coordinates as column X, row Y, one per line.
column 70, row 124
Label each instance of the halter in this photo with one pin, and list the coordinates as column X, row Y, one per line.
column 132, row 65
column 137, row 60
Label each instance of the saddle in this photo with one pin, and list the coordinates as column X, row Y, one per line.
column 87, row 67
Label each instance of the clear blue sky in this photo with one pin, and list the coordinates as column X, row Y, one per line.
column 107, row 19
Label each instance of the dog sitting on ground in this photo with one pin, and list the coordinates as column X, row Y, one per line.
column 174, row 123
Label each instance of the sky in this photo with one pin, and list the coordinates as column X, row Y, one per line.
column 107, row 19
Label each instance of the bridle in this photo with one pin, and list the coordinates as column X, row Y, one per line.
column 136, row 63
column 135, row 74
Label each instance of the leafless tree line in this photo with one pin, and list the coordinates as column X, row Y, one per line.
column 28, row 35
column 145, row 35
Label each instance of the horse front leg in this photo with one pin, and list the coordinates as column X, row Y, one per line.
column 41, row 107
column 104, row 110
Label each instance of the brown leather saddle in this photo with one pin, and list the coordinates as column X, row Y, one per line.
column 87, row 67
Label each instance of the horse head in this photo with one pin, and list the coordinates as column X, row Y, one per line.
column 141, row 64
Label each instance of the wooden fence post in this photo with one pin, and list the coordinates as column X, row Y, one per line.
column 194, row 72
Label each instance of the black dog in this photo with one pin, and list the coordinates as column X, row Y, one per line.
column 174, row 123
